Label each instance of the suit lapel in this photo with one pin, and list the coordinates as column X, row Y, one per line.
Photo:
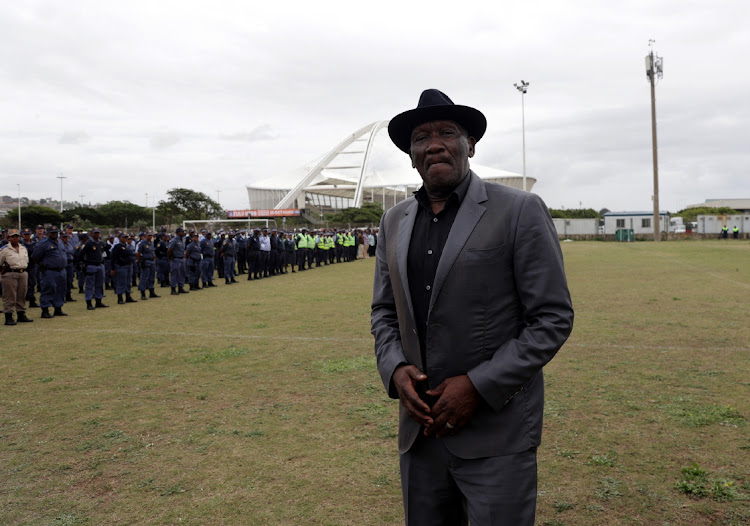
column 405, row 228
column 466, row 219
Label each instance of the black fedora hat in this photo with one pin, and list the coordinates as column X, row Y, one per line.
column 435, row 105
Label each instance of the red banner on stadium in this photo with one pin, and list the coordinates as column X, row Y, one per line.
column 282, row 212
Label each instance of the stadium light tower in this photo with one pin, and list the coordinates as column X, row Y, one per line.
column 654, row 70
column 522, row 87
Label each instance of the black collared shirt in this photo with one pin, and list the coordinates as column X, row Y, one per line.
column 425, row 249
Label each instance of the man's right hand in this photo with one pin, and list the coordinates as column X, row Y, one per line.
column 405, row 379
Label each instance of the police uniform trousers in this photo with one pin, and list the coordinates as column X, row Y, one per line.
column 301, row 258
column 162, row 270
column 69, row 275
column 80, row 276
column 441, row 489
column 241, row 260
column 253, row 262
column 14, row 291
column 177, row 271
column 207, row 269
column 310, row 256
column 53, row 284
column 94, row 282
column 265, row 258
column 194, row 271
column 229, row 267
column 146, row 281
column 32, row 281
column 123, row 275
column 107, row 271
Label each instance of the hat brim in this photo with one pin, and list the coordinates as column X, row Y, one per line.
column 403, row 124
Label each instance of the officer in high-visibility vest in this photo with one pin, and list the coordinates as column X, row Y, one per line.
column 735, row 232
column 322, row 249
column 724, row 231
column 301, row 241
column 310, row 249
column 331, row 244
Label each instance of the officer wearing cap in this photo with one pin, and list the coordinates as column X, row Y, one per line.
column 70, row 267
column 72, row 236
column 146, row 257
column 194, row 257
column 229, row 254
column 80, row 268
column 14, row 260
column 265, row 252
column 253, row 255
column 218, row 259
column 161, row 246
column 176, row 255
column 52, row 259
column 206, row 246
column 93, row 255
column 122, row 267
column 241, row 240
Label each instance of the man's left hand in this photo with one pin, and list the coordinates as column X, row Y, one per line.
column 457, row 401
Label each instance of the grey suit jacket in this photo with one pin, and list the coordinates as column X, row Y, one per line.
column 500, row 310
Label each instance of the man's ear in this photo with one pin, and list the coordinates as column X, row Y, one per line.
column 472, row 143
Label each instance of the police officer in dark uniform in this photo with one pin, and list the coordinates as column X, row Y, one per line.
column 146, row 257
column 162, row 261
column 194, row 257
column 207, row 263
column 52, row 259
column 123, row 257
column 241, row 240
column 92, row 256
column 78, row 265
column 229, row 254
column 253, row 255
column 70, row 267
column 218, row 259
column 176, row 255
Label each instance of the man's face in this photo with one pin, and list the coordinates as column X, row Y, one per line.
column 96, row 235
column 440, row 151
column 52, row 236
column 39, row 232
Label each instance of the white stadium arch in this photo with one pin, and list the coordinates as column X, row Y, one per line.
column 364, row 167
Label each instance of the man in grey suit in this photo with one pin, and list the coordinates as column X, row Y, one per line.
column 470, row 301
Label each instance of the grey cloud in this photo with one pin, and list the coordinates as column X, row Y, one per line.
column 263, row 132
column 164, row 140
column 73, row 137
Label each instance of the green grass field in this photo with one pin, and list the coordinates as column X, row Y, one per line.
column 259, row 403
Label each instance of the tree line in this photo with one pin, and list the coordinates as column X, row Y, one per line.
column 181, row 204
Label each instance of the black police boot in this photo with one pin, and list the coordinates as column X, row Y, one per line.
column 183, row 291
column 89, row 306
column 164, row 284
column 80, row 290
column 100, row 305
column 45, row 313
column 59, row 312
column 129, row 298
column 226, row 281
column 120, row 301
column 22, row 318
column 68, row 297
column 174, row 291
column 234, row 280
column 33, row 303
column 9, row 319
column 210, row 284
column 107, row 286
column 143, row 295
column 152, row 294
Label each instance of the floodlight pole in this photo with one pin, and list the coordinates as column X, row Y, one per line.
column 653, row 71
column 522, row 88
column 19, row 206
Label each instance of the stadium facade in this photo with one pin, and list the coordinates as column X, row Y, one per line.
column 363, row 168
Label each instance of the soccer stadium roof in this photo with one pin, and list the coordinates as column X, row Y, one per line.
column 364, row 167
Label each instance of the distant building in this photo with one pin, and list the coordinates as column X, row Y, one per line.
column 713, row 224
column 638, row 222
column 571, row 227
column 741, row 205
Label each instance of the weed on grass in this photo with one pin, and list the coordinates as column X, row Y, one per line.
column 341, row 365
column 603, row 460
column 607, row 489
column 695, row 415
column 697, row 483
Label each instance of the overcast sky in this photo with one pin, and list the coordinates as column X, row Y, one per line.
column 129, row 98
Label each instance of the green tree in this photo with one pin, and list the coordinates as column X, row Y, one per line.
column 574, row 213
column 369, row 213
column 123, row 213
column 85, row 214
column 192, row 204
column 33, row 215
